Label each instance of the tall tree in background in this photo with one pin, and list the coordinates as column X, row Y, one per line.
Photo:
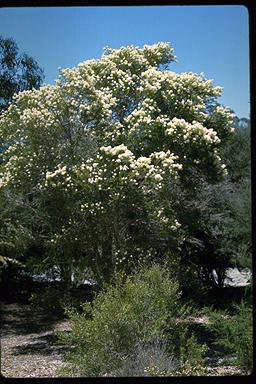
column 18, row 72
column 218, row 215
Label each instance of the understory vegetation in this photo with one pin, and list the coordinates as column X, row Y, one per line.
column 140, row 326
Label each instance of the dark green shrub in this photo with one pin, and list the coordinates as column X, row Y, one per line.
column 48, row 299
column 242, row 334
column 184, row 345
column 234, row 334
column 190, row 351
column 56, row 300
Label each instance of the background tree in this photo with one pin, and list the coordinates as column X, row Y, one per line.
column 18, row 71
column 237, row 155
column 218, row 216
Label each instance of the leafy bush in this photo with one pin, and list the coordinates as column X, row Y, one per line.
column 190, row 351
column 243, row 336
column 185, row 347
column 234, row 333
column 131, row 329
column 133, row 310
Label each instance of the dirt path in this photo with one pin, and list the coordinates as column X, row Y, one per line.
column 29, row 346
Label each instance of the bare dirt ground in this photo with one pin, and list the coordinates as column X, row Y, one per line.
column 29, row 345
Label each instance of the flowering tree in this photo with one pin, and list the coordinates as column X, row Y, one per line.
column 106, row 149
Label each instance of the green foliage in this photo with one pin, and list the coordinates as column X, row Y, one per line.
column 243, row 337
column 191, row 353
column 184, row 343
column 56, row 298
column 229, row 221
column 216, row 219
column 130, row 329
column 237, row 151
column 234, row 333
column 122, row 165
column 229, row 218
column 134, row 309
column 49, row 300
column 15, row 234
column 17, row 72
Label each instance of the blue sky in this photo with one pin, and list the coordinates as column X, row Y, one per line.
column 209, row 39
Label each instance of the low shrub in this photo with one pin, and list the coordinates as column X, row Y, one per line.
column 131, row 310
column 242, row 328
column 234, row 333
column 148, row 359
column 125, row 330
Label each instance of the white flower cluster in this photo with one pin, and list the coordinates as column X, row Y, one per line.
column 166, row 159
column 38, row 108
column 10, row 150
column 151, row 170
column 123, row 256
column 116, row 167
column 5, row 178
column 182, row 131
column 18, row 171
column 142, row 118
column 53, row 179
column 217, row 161
column 61, row 170
column 151, row 81
column 124, row 97
column 186, row 93
column 153, row 55
column 111, row 167
column 226, row 116
column 161, row 216
column 160, row 53
column 121, row 151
